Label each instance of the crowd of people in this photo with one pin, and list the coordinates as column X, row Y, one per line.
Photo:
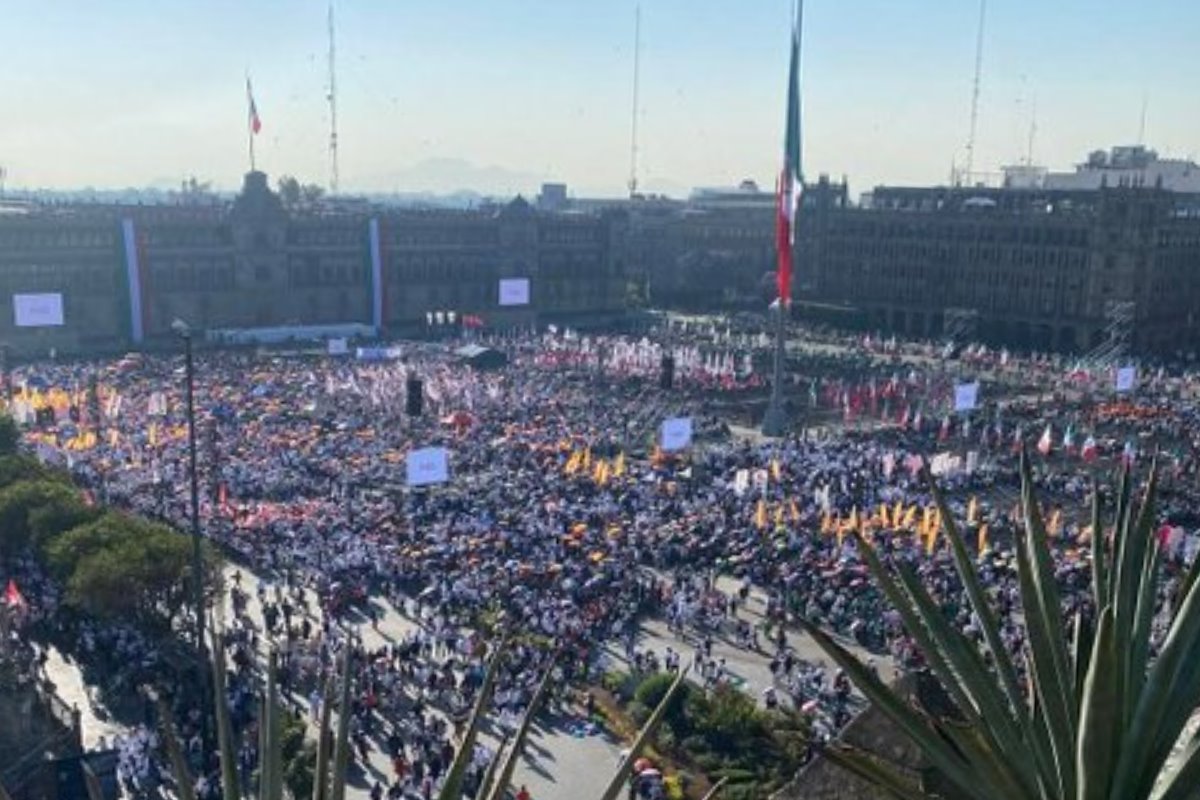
column 564, row 516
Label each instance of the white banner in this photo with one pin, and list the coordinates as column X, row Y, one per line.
column 741, row 482
column 676, row 433
column 966, row 395
column 514, row 291
column 1126, row 378
column 338, row 347
column 37, row 310
column 427, row 466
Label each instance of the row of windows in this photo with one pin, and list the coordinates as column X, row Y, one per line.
column 857, row 227
column 59, row 237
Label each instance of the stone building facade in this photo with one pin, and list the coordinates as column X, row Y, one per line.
column 127, row 272
column 1042, row 269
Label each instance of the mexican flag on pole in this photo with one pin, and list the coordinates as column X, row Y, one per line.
column 790, row 184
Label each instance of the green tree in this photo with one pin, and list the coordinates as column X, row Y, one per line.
column 18, row 502
column 1097, row 717
column 10, row 436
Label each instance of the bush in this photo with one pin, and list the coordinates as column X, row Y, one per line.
column 653, row 689
column 10, row 435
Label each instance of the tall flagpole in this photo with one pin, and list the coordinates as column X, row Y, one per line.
column 250, row 122
column 775, row 420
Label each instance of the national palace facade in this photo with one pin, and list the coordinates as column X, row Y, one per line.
column 1059, row 263
column 127, row 272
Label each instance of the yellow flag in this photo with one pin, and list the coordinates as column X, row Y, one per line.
column 826, row 523
column 1055, row 527
column 779, row 516
column 926, row 519
column 972, row 511
column 152, row 435
column 760, row 514
column 931, row 536
column 619, row 465
column 587, row 458
column 883, row 516
column 897, row 514
column 776, row 472
column 983, row 540
column 573, row 463
column 910, row 518
column 854, row 523
column 794, row 510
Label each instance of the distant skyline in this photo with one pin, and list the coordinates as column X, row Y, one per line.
column 499, row 95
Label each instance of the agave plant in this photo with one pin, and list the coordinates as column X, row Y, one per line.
column 1097, row 715
column 330, row 779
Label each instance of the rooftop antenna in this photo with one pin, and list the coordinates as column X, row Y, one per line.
column 975, row 90
column 637, row 52
column 1032, row 134
column 3, row 175
column 332, row 97
column 1142, row 124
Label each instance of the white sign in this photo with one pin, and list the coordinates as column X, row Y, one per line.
column 338, row 347
column 37, row 310
column 428, row 465
column 965, row 396
column 514, row 291
column 676, row 433
column 741, row 482
column 1126, row 378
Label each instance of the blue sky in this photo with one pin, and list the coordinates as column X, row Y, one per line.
column 434, row 93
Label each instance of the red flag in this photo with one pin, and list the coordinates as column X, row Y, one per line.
column 255, row 122
column 12, row 595
column 787, row 199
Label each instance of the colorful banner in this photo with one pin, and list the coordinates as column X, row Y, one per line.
column 133, row 278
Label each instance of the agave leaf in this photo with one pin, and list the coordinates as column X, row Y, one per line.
column 230, row 787
column 452, row 787
column 990, row 765
column 1056, row 707
column 341, row 745
column 1167, row 699
column 1047, row 597
column 1130, row 567
column 272, row 757
column 1100, row 715
column 975, row 593
column 712, row 793
column 1082, row 641
column 1143, row 585
column 489, row 776
column 1179, row 780
column 940, row 753
column 1099, row 550
column 185, row 784
column 518, row 745
column 1120, row 523
column 973, row 678
column 321, row 765
column 645, row 735
column 4, row 795
column 874, row 771
column 90, row 782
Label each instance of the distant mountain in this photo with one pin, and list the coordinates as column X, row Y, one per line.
column 452, row 176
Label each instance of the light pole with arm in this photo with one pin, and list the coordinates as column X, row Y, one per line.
column 184, row 332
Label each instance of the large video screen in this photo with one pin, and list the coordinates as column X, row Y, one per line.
column 37, row 310
column 514, row 291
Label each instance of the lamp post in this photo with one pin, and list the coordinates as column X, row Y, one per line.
column 184, row 332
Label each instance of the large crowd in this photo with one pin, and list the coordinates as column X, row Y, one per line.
column 564, row 517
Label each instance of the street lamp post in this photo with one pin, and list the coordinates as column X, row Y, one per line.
column 184, row 332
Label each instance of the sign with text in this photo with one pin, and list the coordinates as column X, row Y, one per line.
column 427, row 466
column 966, row 395
column 514, row 291
column 338, row 347
column 37, row 310
column 1126, row 378
column 676, row 433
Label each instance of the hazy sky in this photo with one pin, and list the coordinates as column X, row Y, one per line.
column 440, row 94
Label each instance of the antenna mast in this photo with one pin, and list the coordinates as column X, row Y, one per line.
column 1142, row 124
column 332, row 97
column 633, row 134
column 1032, row 134
column 975, row 90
